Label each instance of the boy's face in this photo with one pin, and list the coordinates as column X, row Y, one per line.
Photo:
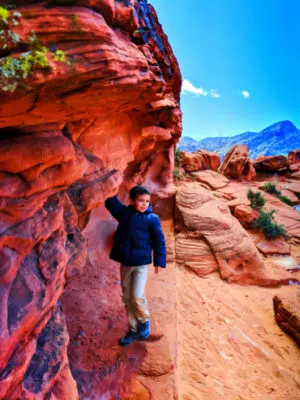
column 141, row 202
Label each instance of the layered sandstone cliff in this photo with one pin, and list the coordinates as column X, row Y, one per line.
column 89, row 101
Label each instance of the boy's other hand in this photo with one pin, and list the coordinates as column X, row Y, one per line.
column 156, row 270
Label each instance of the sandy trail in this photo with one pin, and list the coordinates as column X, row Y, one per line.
column 229, row 345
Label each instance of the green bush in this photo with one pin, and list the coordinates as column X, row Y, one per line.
column 14, row 69
column 256, row 199
column 271, row 229
column 285, row 200
column 177, row 174
column 177, row 158
column 270, row 187
column 4, row 14
column 60, row 56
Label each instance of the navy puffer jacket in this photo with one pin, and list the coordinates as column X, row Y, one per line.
column 137, row 235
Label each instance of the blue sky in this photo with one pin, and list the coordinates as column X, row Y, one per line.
column 226, row 47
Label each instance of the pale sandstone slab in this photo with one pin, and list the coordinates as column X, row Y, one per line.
column 212, row 178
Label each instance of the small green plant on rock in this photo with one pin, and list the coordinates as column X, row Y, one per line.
column 14, row 69
column 178, row 174
column 256, row 200
column 271, row 229
column 270, row 187
column 76, row 22
column 177, row 158
column 6, row 34
column 4, row 14
column 60, row 56
column 285, row 200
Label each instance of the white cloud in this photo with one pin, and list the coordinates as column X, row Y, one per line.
column 188, row 87
column 245, row 94
column 214, row 93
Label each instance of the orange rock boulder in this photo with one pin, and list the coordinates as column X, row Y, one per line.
column 271, row 163
column 200, row 217
column 294, row 157
column 237, row 164
column 246, row 215
column 199, row 160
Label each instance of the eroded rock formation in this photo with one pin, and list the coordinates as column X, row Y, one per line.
column 102, row 111
column 207, row 228
column 271, row 163
column 199, row 160
column 237, row 164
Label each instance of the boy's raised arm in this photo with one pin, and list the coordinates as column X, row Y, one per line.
column 158, row 243
column 115, row 207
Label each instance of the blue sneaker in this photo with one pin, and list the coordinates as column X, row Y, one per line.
column 144, row 330
column 129, row 338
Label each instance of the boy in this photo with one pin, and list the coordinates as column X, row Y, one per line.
column 138, row 233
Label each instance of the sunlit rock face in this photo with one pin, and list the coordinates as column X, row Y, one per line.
column 271, row 163
column 199, row 160
column 210, row 239
column 102, row 111
column 237, row 164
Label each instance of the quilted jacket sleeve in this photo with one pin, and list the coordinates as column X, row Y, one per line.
column 115, row 207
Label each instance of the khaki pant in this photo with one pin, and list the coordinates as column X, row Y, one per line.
column 133, row 282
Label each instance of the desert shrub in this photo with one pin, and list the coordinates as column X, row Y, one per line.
column 285, row 200
column 270, row 187
column 178, row 173
column 271, row 229
column 256, row 199
column 177, row 158
column 15, row 69
column 60, row 55
column 4, row 14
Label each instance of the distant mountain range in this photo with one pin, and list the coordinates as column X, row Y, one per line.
column 279, row 138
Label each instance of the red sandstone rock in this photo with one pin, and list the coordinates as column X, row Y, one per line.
column 271, row 163
column 237, row 164
column 71, row 134
column 286, row 309
column 237, row 258
column 293, row 186
column 294, row 157
column 275, row 246
column 246, row 215
column 296, row 175
column 213, row 179
column 290, row 195
column 199, row 160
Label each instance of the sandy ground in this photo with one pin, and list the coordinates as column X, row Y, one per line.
column 230, row 346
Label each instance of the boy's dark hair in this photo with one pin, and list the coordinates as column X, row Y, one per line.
column 137, row 191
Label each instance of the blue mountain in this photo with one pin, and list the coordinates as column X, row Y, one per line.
column 279, row 138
